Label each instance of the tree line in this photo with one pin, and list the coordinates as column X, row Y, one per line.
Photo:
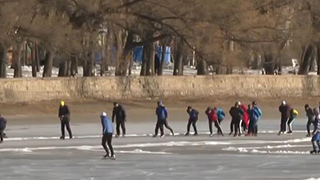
column 221, row 35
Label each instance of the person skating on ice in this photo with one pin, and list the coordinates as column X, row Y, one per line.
column 64, row 116
column 119, row 114
column 107, row 132
column 162, row 115
column 216, row 116
column 293, row 114
column 311, row 119
column 244, row 125
column 316, row 137
column 3, row 125
column 210, row 120
column 193, row 118
column 284, row 109
column 255, row 114
column 213, row 115
column 236, row 114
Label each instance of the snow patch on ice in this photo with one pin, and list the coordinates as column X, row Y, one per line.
column 140, row 151
column 175, row 143
column 256, row 150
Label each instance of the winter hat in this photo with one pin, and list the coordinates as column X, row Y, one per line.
column 103, row 114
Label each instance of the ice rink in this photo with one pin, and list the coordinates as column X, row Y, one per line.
column 35, row 152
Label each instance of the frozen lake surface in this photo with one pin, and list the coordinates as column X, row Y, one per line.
column 35, row 152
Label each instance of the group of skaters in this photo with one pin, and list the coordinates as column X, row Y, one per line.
column 244, row 121
column 288, row 116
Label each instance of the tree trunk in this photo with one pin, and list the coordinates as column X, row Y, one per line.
column 152, row 58
column 229, row 70
column 25, row 54
column 120, row 44
column 268, row 63
column 33, row 59
column 306, row 61
column 92, row 64
column 178, row 60
column 104, row 53
column 3, row 57
column 37, row 56
column 149, row 59
column 62, row 69
column 85, row 67
column 108, row 50
column 47, row 71
column 131, row 63
column 280, row 67
column 219, row 69
column 162, row 61
column 144, row 62
column 68, row 73
column 17, row 54
column 74, row 66
column 178, row 66
column 88, row 66
column 103, row 65
column 318, row 58
column 202, row 67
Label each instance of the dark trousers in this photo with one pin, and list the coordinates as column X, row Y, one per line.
column 107, row 139
column 217, row 125
column 311, row 121
column 120, row 123
column 65, row 122
column 253, row 127
column 283, row 125
column 236, row 125
column 1, row 135
column 231, row 126
column 160, row 124
column 194, row 125
column 210, row 127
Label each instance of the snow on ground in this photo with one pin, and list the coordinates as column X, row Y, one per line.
column 136, row 68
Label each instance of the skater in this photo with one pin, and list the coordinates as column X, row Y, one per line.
column 213, row 117
column 107, row 132
column 193, row 118
column 254, row 116
column 237, row 114
column 293, row 115
column 285, row 114
column 214, row 114
column 311, row 119
column 162, row 115
column 119, row 114
column 208, row 113
column 64, row 115
column 316, row 137
column 245, row 120
column 3, row 124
